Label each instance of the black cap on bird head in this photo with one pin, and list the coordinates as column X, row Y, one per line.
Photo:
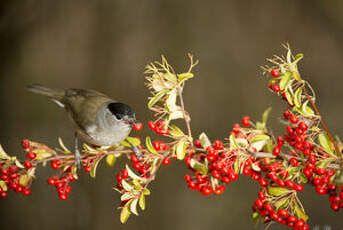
column 122, row 111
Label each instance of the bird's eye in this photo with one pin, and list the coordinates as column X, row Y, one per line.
column 119, row 116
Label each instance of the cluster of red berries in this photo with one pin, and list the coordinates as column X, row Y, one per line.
column 159, row 127
column 62, row 184
column 11, row 176
column 219, row 168
column 282, row 215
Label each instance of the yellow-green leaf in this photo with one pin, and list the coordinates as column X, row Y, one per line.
column 149, row 145
column 198, row 167
column 24, row 179
column 135, row 141
column 171, row 101
column 110, row 160
column 92, row 173
column 156, row 98
column 260, row 137
column 204, row 140
column 3, row 154
column 185, row 76
column 297, row 97
column 306, row 109
column 126, row 185
column 265, row 115
column 142, row 201
column 124, row 215
column 181, row 150
column 232, row 140
column 175, row 131
column 277, row 191
column 133, row 175
column 3, row 185
column 299, row 212
column 64, row 148
column 286, row 78
column 133, row 206
column 146, row 192
column 325, row 142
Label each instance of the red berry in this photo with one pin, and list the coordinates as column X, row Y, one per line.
column 192, row 185
column 3, row 194
column 259, row 203
column 226, row 179
column 263, row 182
column 152, row 125
column 134, row 158
column 197, row 143
column 275, row 72
column 52, row 181
column 246, row 121
column 163, row 146
column 63, row 196
column 156, row 145
column 292, row 219
column 283, row 212
column 286, row 114
column 206, row 190
column 25, row 143
column 276, row 88
column 138, row 126
column 293, row 119
column 299, row 187
column 307, row 151
column 219, row 190
column 293, row 161
column 124, row 173
column 300, row 223
column 31, row 155
column 27, row 191
column 188, row 178
column 166, row 161
column 216, row 174
column 87, row 169
column 290, row 184
column 276, row 150
column 303, row 126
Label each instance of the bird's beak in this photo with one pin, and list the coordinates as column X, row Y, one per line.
column 132, row 121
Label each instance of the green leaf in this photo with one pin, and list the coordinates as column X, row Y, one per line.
column 277, row 191
column 142, row 201
column 265, row 115
column 259, row 141
column 232, row 140
column 127, row 196
column 133, row 175
column 181, row 150
column 299, row 211
column 256, row 218
column 204, row 140
column 135, row 141
column 306, row 109
column 149, row 145
column 3, row 154
column 171, row 101
column 297, row 97
column 282, row 203
column 64, row 148
column 24, row 179
column 260, row 125
column 146, row 192
column 124, row 215
column 298, row 57
column 184, row 76
column 178, row 114
column 110, row 160
column 286, row 78
column 325, row 142
column 156, row 98
column 198, row 167
column 289, row 97
column 323, row 163
column 94, row 167
column 260, row 137
column 269, row 146
column 3, row 185
column 170, row 77
column 175, row 131
column 127, row 186
column 133, row 206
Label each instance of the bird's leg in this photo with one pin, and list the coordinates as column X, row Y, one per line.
column 135, row 150
column 77, row 151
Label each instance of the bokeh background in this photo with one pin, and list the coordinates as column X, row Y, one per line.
column 105, row 45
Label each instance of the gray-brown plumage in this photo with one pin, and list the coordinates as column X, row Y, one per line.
column 97, row 118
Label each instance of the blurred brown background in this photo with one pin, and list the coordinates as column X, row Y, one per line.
column 104, row 45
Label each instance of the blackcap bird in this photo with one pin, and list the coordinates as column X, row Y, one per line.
column 98, row 119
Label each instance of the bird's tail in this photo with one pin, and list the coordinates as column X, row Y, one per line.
column 54, row 94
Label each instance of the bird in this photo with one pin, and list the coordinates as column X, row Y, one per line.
column 97, row 118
